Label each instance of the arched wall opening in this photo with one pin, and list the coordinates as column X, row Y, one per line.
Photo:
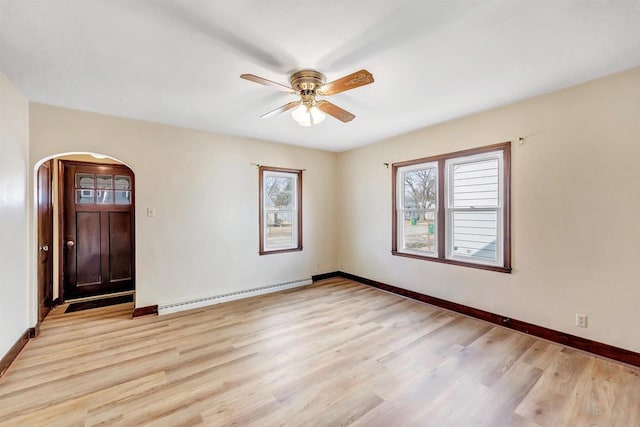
column 57, row 273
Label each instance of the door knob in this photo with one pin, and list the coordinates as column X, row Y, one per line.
column 70, row 243
column 44, row 248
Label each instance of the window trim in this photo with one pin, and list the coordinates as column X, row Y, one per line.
column 262, row 250
column 441, row 222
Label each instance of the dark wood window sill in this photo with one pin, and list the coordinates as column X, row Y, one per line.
column 455, row 262
column 280, row 251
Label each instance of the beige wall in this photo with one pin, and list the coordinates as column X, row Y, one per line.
column 575, row 210
column 203, row 240
column 14, row 273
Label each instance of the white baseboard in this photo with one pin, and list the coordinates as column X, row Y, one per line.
column 218, row 299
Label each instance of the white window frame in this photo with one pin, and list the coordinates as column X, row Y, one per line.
column 401, row 209
column 295, row 244
column 450, row 209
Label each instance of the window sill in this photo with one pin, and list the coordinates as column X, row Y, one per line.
column 455, row 262
column 280, row 251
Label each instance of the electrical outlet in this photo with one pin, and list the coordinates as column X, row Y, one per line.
column 581, row 320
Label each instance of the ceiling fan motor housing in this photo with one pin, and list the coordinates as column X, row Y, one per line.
column 307, row 81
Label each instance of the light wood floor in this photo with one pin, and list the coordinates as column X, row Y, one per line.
column 333, row 353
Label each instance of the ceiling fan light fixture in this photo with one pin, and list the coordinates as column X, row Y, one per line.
column 316, row 115
column 307, row 116
column 299, row 113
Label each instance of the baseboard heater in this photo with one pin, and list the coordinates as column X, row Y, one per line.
column 218, row 299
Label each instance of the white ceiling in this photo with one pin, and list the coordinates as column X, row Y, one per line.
column 178, row 62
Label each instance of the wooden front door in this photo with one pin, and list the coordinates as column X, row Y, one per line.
column 45, row 241
column 98, row 233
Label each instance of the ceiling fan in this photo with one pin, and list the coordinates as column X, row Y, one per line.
column 308, row 84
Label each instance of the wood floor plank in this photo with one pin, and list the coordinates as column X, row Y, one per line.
column 74, row 411
column 333, row 353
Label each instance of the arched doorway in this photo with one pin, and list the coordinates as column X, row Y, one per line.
column 92, row 228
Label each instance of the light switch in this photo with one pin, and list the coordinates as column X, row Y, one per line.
column 151, row 212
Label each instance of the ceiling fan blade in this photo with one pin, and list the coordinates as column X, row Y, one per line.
column 352, row 81
column 335, row 111
column 285, row 107
column 266, row 82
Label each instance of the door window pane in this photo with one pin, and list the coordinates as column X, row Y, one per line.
column 104, row 181
column 123, row 197
column 84, row 197
column 84, row 180
column 104, row 197
column 123, row 182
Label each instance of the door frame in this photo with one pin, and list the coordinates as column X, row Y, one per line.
column 61, row 233
column 60, row 242
column 49, row 232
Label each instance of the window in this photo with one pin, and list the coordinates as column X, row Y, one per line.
column 280, row 210
column 418, row 208
column 454, row 208
column 101, row 190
